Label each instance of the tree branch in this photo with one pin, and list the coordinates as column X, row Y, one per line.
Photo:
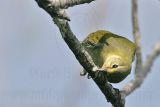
column 141, row 70
column 112, row 95
column 150, row 59
column 56, row 7
column 136, row 35
column 137, row 82
column 62, row 4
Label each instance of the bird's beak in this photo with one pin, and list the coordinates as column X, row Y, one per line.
column 107, row 69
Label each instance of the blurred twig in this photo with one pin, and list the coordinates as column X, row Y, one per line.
column 141, row 70
column 136, row 34
column 146, row 68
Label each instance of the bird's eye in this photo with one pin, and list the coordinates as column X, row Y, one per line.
column 114, row 66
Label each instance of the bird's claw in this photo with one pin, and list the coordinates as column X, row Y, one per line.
column 96, row 70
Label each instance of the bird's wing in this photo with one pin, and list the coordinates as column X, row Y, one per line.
column 109, row 43
column 122, row 45
column 93, row 38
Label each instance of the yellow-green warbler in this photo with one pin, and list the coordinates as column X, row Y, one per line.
column 111, row 52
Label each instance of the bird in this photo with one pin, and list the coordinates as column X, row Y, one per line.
column 111, row 53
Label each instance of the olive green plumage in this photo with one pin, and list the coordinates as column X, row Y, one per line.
column 111, row 52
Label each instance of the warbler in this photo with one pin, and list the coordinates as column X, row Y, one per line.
column 110, row 52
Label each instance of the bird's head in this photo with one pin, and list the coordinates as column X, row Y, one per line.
column 117, row 68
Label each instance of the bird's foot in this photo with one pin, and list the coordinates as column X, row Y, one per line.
column 98, row 72
column 83, row 72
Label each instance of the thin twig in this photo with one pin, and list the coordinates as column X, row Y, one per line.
column 137, row 82
column 136, row 34
column 57, row 7
column 150, row 59
column 141, row 70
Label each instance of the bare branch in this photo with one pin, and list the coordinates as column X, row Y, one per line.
column 141, row 70
column 112, row 95
column 63, row 4
column 134, row 84
column 130, row 87
column 136, row 35
column 150, row 59
column 56, row 7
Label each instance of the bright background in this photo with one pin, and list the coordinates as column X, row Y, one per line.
column 37, row 69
